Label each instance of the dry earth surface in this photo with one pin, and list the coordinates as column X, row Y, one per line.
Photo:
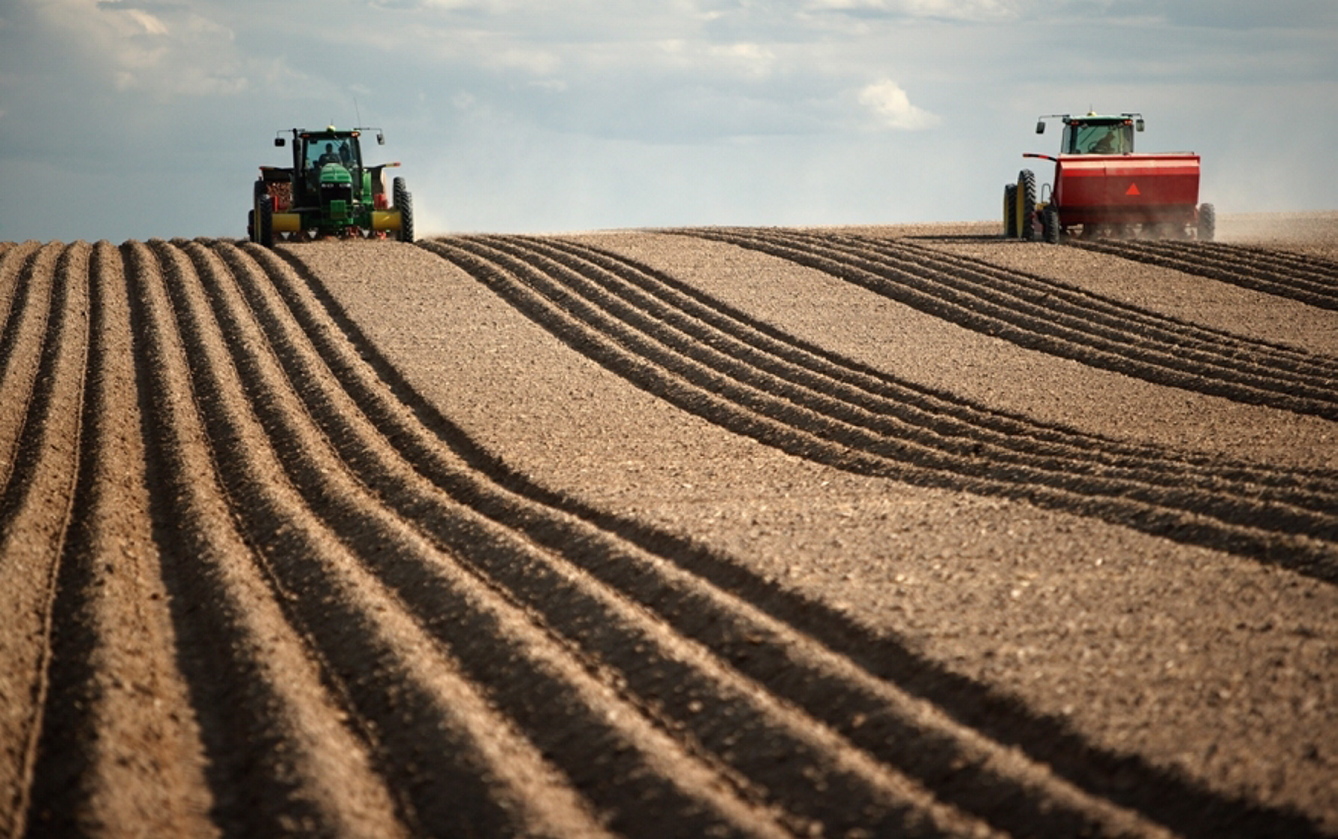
column 849, row 532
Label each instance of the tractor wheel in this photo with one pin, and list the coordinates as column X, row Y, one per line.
column 1207, row 227
column 264, row 222
column 1026, row 204
column 404, row 203
column 251, row 224
column 1050, row 224
column 1010, row 211
column 258, row 194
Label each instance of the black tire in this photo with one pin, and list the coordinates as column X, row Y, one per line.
column 1050, row 224
column 258, row 191
column 1026, row 204
column 264, row 222
column 404, row 203
column 1010, row 211
column 1207, row 226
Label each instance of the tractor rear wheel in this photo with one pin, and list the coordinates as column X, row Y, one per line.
column 1010, row 211
column 1207, row 227
column 404, row 203
column 1026, row 204
column 1050, row 224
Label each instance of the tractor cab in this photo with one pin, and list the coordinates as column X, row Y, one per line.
column 1096, row 134
column 321, row 151
column 314, row 152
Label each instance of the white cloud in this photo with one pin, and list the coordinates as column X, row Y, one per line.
column 151, row 24
column 893, row 107
column 163, row 50
column 753, row 59
column 964, row 10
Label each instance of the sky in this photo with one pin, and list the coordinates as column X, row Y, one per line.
column 138, row 119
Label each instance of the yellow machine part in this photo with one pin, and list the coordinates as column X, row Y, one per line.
column 385, row 219
column 287, row 222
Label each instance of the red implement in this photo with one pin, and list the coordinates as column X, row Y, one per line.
column 1126, row 189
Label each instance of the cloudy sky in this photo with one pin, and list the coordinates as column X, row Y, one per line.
column 126, row 119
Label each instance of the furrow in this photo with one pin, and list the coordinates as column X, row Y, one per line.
column 280, row 759
column 705, row 331
column 990, row 299
column 1324, row 271
column 455, row 763
column 736, row 398
column 1158, row 365
column 656, row 675
column 1307, row 280
column 940, row 410
column 35, row 508
column 561, row 588
column 685, row 616
column 16, row 266
column 730, row 614
column 578, row 722
column 1268, row 358
column 119, row 746
column 21, row 343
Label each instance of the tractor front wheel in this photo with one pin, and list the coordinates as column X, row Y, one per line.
column 1207, row 227
column 404, row 203
column 1026, row 204
column 1010, row 211
column 264, row 221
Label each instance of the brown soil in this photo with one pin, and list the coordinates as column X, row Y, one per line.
column 847, row 532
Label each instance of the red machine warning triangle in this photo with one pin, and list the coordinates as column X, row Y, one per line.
column 1132, row 190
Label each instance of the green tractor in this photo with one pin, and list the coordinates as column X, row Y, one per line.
column 328, row 191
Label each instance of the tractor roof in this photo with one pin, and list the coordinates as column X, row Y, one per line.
column 1092, row 118
column 328, row 131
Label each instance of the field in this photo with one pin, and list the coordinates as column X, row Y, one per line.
column 870, row 531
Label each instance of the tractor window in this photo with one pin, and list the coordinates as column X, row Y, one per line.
column 335, row 150
column 1099, row 139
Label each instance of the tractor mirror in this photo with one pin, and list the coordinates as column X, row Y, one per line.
column 380, row 139
column 1138, row 124
column 278, row 141
column 1040, row 126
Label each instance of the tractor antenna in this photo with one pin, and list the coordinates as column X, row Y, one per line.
column 356, row 111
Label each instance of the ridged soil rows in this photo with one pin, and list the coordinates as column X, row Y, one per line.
column 259, row 589
column 776, row 390
column 1048, row 316
column 1307, row 279
column 42, row 372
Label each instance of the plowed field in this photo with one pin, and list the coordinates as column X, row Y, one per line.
column 897, row 531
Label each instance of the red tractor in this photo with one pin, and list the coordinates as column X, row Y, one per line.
column 1103, row 189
